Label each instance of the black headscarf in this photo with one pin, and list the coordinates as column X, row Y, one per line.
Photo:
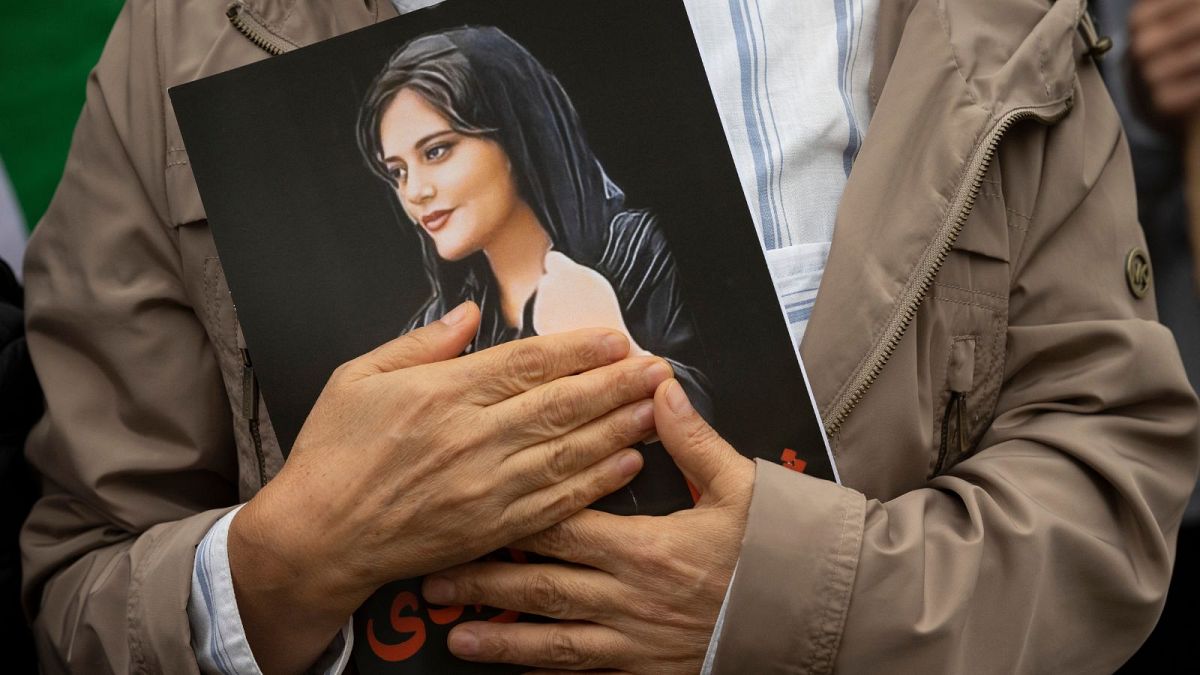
column 518, row 103
column 556, row 172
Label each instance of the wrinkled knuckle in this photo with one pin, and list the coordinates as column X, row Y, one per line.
column 544, row 594
column 528, row 363
column 620, row 429
column 560, row 540
column 583, row 352
column 559, row 463
column 632, row 378
column 563, row 650
column 566, row 502
column 559, row 407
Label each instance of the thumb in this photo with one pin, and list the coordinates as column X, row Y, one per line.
column 443, row 339
column 706, row 460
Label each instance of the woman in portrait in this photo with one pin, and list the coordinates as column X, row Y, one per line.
column 488, row 159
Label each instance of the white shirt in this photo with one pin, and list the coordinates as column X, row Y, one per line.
column 790, row 82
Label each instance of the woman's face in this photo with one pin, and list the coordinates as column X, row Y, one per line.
column 458, row 188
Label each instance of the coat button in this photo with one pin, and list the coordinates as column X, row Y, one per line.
column 1137, row 272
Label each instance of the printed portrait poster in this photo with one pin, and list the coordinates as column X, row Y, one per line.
column 363, row 186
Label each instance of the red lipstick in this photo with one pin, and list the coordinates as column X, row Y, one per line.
column 435, row 220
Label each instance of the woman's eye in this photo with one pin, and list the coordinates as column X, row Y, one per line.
column 399, row 173
column 437, row 152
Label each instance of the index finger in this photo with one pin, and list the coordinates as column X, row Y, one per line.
column 503, row 371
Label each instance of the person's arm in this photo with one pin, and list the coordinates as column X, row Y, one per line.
column 218, row 636
column 135, row 449
column 1049, row 549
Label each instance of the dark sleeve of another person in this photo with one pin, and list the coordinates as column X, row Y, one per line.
column 21, row 403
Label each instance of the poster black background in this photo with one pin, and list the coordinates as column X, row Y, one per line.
column 323, row 266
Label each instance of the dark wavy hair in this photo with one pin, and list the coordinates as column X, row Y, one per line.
column 437, row 70
column 487, row 85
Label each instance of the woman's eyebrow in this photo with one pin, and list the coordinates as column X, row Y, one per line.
column 430, row 137
column 421, row 142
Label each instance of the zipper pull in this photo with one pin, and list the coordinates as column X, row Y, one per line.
column 962, row 427
column 954, row 409
column 249, row 380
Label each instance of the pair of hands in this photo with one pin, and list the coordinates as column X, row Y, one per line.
column 642, row 594
column 413, row 461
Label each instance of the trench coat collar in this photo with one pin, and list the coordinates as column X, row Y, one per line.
column 945, row 73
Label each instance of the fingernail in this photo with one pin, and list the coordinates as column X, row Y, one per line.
column 455, row 315
column 677, row 399
column 657, row 373
column 438, row 589
column 643, row 415
column 616, row 346
column 463, row 642
column 629, row 463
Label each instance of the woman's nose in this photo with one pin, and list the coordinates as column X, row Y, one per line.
column 419, row 191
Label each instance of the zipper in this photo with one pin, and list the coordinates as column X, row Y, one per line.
column 927, row 270
column 957, row 404
column 250, row 394
column 254, row 30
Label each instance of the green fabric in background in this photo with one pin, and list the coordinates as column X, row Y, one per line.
column 47, row 48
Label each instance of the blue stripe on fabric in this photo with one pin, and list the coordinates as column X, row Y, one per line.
column 856, row 19
column 758, row 59
column 216, row 646
column 799, row 314
column 769, row 227
column 786, row 231
column 844, row 39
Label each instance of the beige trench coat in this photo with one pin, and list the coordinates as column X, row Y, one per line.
column 1015, row 432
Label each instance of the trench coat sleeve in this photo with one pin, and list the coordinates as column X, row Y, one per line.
column 136, row 448
column 1049, row 549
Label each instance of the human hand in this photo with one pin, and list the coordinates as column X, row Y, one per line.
column 413, row 460
column 649, row 596
column 571, row 296
column 1164, row 41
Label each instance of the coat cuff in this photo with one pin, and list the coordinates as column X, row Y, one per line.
column 160, row 585
column 218, row 637
column 788, row 601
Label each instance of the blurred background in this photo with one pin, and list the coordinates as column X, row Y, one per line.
column 46, row 51
column 1153, row 72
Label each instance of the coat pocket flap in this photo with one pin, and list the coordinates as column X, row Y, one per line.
column 986, row 236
